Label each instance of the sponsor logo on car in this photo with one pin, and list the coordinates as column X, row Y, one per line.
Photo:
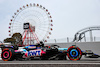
column 34, row 53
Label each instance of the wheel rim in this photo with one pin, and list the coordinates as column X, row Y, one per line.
column 6, row 54
column 74, row 53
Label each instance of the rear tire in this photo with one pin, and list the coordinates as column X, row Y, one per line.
column 7, row 54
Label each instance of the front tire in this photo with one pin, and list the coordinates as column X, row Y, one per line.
column 74, row 53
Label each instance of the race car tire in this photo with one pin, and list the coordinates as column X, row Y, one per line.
column 7, row 54
column 74, row 53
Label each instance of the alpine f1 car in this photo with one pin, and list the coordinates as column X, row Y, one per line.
column 52, row 52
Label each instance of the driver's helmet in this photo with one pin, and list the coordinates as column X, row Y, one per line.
column 41, row 43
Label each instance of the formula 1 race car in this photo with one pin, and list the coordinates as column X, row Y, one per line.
column 52, row 52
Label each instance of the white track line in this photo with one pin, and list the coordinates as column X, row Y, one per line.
column 52, row 63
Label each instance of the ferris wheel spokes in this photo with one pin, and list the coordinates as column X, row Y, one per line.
column 38, row 17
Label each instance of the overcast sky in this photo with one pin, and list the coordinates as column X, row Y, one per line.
column 69, row 16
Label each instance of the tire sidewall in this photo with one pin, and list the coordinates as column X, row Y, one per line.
column 79, row 53
column 11, row 54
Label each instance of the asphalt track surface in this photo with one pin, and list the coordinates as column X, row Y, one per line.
column 37, row 61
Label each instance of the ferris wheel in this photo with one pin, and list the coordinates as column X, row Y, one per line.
column 37, row 16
